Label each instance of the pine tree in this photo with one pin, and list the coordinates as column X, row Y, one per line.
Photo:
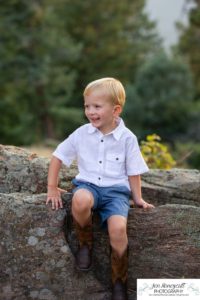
column 161, row 100
column 189, row 48
column 189, row 44
column 36, row 73
column 51, row 49
column 116, row 38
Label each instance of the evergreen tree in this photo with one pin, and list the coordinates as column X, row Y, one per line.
column 189, row 48
column 161, row 100
column 116, row 38
column 51, row 49
column 189, row 43
column 36, row 73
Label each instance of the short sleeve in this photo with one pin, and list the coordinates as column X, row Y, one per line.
column 66, row 151
column 135, row 163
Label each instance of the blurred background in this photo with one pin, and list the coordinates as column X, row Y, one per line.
column 50, row 50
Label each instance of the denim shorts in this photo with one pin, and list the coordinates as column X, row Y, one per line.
column 108, row 201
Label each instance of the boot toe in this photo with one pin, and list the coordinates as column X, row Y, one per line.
column 119, row 291
column 84, row 258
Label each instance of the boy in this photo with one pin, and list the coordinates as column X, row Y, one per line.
column 110, row 164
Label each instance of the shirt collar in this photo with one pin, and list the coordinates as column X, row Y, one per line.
column 117, row 132
column 91, row 129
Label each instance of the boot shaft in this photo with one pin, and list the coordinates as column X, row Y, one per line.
column 119, row 266
column 84, row 234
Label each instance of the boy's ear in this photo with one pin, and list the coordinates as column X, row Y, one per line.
column 117, row 110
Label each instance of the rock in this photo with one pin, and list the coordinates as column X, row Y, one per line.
column 25, row 172
column 177, row 186
column 37, row 244
column 35, row 265
column 163, row 243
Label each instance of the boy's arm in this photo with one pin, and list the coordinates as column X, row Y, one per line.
column 53, row 192
column 135, row 185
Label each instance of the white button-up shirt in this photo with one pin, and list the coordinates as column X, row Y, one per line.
column 104, row 160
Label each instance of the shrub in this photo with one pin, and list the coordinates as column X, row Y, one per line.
column 156, row 154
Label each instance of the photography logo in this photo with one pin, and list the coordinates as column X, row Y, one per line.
column 162, row 289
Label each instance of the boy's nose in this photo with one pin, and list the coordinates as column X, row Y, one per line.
column 91, row 111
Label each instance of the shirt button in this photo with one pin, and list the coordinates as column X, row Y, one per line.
column 100, row 162
column 117, row 158
column 102, row 141
column 99, row 178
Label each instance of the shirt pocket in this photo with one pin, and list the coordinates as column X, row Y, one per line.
column 115, row 164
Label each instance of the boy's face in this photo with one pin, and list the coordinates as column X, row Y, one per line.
column 101, row 113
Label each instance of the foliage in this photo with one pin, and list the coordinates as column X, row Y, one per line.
column 189, row 43
column 36, row 76
column 187, row 154
column 50, row 49
column 189, row 48
column 156, row 154
column 116, row 38
column 161, row 99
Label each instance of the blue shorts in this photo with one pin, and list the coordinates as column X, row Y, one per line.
column 108, row 201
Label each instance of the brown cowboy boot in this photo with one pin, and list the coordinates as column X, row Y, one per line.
column 83, row 257
column 119, row 266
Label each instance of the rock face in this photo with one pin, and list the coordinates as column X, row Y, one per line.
column 176, row 186
column 37, row 243
column 25, row 172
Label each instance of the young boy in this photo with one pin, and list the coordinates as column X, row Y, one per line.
column 109, row 163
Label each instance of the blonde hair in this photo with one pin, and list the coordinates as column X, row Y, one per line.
column 111, row 86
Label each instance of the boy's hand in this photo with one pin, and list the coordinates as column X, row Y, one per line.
column 143, row 204
column 54, row 196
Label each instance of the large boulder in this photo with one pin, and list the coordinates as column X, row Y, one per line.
column 176, row 186
column 25, row 172
column 37, row 243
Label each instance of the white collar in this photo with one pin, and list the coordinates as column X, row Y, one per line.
column 117, row 132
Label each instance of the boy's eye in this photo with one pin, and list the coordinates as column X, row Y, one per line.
column 97, row 106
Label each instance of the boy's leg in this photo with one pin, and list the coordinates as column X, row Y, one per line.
column 82, row 203
column 117, row 227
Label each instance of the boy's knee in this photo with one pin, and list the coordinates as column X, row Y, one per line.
column 117, row 230
column 82, row 200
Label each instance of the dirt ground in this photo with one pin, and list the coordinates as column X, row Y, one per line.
column 40, row 150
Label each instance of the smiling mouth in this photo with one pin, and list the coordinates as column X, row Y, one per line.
column 94, row 120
